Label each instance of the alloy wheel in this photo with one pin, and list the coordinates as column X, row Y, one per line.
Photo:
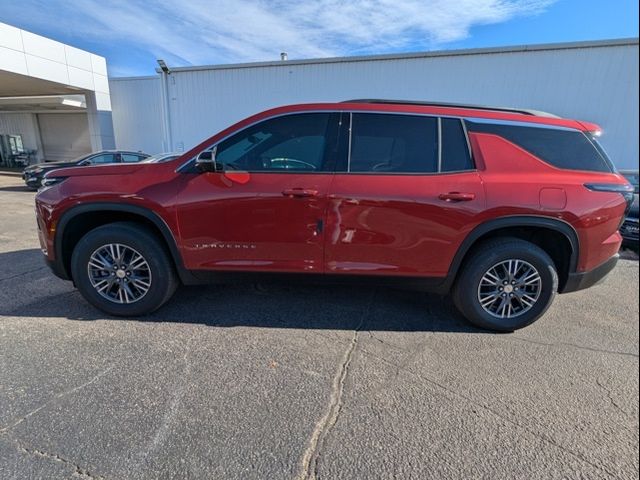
column 119, row 273
column 509, row 288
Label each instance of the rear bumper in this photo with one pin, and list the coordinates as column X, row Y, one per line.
column 581, row 280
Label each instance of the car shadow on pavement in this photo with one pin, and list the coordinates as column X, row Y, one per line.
column 36, row 293
column 17, row 188
column 274, row 305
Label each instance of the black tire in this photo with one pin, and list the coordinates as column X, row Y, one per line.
column 163, row 280
column 481, row 260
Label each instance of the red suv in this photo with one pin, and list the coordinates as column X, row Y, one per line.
column 503, row 208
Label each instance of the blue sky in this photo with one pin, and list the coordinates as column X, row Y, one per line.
column 133, row 34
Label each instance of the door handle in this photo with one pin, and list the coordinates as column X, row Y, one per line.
column 457, row 197
column 300, row 192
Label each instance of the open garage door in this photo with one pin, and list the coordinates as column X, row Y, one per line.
column 65, row 136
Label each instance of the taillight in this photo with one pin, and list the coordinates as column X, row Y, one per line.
column 625, row 189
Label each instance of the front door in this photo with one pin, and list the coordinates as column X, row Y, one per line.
column 406, row 198
column 265, row 210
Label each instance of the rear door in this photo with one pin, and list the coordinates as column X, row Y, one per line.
column 265, row 210
column 405, row 199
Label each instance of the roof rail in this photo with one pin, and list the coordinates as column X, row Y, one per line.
column 523, row 111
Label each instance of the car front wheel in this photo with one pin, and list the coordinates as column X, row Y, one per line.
column 506, row 284
column 122, row 269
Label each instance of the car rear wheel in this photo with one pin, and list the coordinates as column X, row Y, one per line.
column 506, row 284
column 123, row 270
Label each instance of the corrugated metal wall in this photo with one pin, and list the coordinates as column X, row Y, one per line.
column 21, row 124
column 137, row 113
column 596, row 83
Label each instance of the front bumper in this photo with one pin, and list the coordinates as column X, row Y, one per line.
column 581, row 280
column 629, row 231
column 56, row 268
column 32, row 180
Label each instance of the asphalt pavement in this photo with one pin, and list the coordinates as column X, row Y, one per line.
column 280, row 381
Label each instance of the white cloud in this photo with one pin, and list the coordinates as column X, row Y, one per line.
column 205, row 31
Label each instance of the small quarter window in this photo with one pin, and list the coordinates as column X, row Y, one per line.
column 455, row 150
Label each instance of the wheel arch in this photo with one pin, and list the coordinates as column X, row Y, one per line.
column 561, row 242
column 79, row 220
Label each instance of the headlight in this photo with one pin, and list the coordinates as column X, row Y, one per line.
column 51, row 181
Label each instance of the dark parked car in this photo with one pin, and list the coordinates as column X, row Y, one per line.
column 32, row 175
column 502, row 208
column 629, row 228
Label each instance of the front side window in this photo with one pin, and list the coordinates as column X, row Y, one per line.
column 389, row 143
column 101, row 159
column 297, row 143
column 566, row 149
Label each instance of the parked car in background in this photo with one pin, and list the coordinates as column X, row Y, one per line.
column 33, row 174
column 629, row 228
column 503, row 208
column 161, row 157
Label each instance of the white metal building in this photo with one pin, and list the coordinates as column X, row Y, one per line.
column 54, row 99
column 594, row 81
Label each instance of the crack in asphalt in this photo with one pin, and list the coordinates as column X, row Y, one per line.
column 162, row 431
column 6, row 428
column 573, row 345
column 23, row 273
column 493, row 412
column 611, row 399
column 78, row 471
column 323, row 427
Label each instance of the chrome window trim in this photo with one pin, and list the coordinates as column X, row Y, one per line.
column 351, row 112
column 439, row 169
column 349, row 146
column 466, row 136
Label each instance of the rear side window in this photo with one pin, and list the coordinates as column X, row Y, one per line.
column 131, row 158
column 384, row 143
column 567, row 149
column 455, row 150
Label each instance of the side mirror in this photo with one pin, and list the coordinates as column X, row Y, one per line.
column 206, row 161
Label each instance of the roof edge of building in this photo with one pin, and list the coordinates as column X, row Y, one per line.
column 399, row 56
